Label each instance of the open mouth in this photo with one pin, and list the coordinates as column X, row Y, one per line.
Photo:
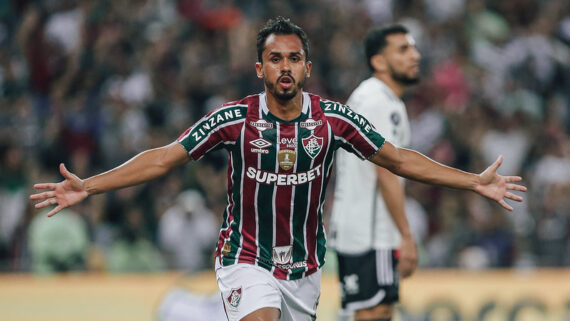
column 286, row 82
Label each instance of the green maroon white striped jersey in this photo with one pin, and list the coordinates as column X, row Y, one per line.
column 277, row 175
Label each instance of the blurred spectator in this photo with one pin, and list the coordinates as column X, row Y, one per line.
column 13, row 196
column 187, row 233
column 133, row 251
column 58, row 244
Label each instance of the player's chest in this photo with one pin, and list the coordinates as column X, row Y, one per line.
column 286, row 144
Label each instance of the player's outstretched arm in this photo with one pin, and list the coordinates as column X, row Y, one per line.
column 413, row 165
column 144, row 167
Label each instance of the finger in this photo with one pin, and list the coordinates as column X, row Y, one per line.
column 63, row 170
column 497, row 163
column 505, row 205
column 44, row 186
column 401, row 269
column 515, row 187
column 36, row 197
column 405, row 270
column 55, row 211
column 513, row 197
column 510, row 179
column 45, row 203
column 41, row 196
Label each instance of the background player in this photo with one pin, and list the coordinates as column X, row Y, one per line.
column 368, row 222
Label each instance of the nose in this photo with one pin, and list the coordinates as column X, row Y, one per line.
column 416, row 54
column 285, row 65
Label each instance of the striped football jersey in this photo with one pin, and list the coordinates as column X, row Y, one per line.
column 277, row 175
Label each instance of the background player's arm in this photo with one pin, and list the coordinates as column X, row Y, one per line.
column 393, row 194
column 144, row 167
column 411, row 164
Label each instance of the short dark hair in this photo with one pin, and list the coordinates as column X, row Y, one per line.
column 375, row 40
column 280, row 26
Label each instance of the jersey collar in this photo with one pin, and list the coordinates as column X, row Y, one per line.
column 265, row 113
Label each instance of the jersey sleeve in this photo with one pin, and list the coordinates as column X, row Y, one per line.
column 352, row 131
column 218, row 129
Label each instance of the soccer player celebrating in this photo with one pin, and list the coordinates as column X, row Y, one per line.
column 281, row 146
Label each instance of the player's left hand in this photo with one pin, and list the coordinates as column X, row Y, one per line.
column 408, row 261
column 497, row 187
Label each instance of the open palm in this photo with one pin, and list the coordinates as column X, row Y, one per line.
column 66, row 193
column 497, row 187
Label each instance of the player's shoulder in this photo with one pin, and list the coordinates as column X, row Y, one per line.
column 373, row 96
column 371, row 89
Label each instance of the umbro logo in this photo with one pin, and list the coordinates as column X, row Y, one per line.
column 260, row 143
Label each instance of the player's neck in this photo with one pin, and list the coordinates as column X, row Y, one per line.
column 397, row 88
column 285, row 109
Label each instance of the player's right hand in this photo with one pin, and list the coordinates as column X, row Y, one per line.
column 66, row 193
column 408, row 260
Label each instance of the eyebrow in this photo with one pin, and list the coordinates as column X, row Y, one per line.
column 279, row 53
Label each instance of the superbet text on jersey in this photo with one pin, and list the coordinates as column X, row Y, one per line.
column 277, row 174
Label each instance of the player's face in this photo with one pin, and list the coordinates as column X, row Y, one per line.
column 403, row 59
column 284, row 66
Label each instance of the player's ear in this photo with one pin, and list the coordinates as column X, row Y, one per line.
column 378, row 62
column 308, row 65
column 259, row 69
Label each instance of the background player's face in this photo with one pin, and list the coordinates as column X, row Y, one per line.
column 284, row 66
column 402, row 58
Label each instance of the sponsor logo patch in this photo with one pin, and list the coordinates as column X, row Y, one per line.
column 288, row 142
column 312, row 145
column 235, row 297
column 260, row 143
column 294, row 265
column 286, row 158
column 282, row 254
column 261, row 125
column 270, row 178
column 310, row 123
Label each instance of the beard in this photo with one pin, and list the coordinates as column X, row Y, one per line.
column 288, row 94
column 403, row 78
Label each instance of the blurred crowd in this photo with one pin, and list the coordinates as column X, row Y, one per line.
column 90, row 83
